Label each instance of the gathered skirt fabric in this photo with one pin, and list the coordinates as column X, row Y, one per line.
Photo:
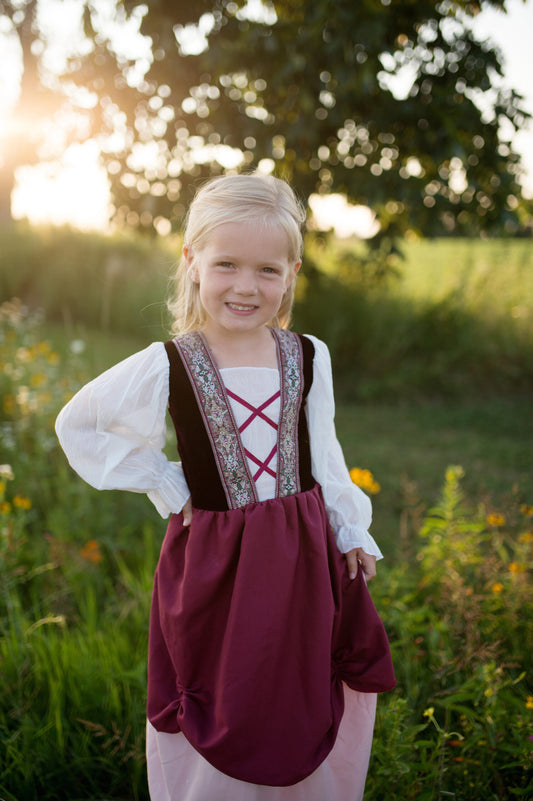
column 176, row 772
column 254, row 627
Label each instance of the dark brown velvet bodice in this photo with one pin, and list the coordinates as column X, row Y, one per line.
column 195, row 442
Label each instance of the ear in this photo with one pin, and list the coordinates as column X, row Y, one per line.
column 293, row 272
column 188, row 255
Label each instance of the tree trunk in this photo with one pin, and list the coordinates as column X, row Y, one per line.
column 7, row 184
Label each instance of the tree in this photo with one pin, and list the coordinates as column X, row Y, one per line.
column 51, row 99
column 308, row 85
column 19, row 146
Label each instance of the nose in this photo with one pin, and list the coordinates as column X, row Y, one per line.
column 246, row 282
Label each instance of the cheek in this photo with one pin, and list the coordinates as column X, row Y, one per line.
column 212, row 285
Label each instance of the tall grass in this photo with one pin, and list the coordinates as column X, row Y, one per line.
column 116, row 283
column 75, row 578
column 410, row 445
column 75, row 583
column 461, row 724
column 457, row 319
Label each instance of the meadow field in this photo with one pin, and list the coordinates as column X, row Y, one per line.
column 434, row 372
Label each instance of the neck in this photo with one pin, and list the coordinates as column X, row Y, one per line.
column 256, row 350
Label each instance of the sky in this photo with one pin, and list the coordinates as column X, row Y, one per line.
column 513, row 33
column 51, row 193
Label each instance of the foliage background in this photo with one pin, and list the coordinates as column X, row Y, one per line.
column 401, row 106
column 432, row 354
column 452, row 318
column 76, row 565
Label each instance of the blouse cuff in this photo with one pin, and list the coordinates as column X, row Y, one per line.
column 172, row 494
column 348, row 537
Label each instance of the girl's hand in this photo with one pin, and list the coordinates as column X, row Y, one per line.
column 187, row 513
column 357, row 557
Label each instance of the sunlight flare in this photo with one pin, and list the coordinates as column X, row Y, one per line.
column 73, row 191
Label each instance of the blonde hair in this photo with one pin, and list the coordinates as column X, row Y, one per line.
column 261, row 199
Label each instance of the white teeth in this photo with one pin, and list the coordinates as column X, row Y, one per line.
column 240, row 308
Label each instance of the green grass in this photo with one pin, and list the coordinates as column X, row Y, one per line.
column 475, row 270
column 99, row 349
column 432, row 370
column 406, row 445
column 409, row 446
column 115, row 283
column 456, row 320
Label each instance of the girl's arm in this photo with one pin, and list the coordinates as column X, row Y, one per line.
column 349, row 509
column 113, row 431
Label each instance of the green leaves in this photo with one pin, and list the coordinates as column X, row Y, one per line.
column 408, row 81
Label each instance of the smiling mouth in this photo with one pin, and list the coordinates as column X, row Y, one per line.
column 241, row 307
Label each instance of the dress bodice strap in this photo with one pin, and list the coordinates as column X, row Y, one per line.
column 208, row 438
column 194, row 446
column 308, row 353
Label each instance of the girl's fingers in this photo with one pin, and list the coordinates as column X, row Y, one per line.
column 187, row 513
column 357, row 557
column 353, row 562
column 368, row 563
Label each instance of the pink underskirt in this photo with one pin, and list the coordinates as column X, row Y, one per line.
column 176, row 772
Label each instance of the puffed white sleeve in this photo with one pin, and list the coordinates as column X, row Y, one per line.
column 113, row 431
column 349, row 509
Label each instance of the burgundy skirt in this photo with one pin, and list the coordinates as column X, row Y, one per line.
column 254, row 626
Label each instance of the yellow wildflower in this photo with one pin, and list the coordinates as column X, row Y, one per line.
column 529, row 702
column 454, row 473
column 91, row 552
column 364, row 479
column 9, row 404
column 526, row 510
column 496, row 519
column 5, row 508
column 527, row 536
column 21, row 502
column 37, row 379
column 515, row 567
column 429, row 712
column 497, row 588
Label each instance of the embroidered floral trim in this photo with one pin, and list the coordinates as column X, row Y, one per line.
column 214, row 404
column 218, row 419
column 291, row 365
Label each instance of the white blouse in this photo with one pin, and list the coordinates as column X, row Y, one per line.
column 113, row 432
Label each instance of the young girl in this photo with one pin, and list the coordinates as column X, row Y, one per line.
column 265, row 650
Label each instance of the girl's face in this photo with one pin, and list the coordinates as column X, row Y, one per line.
column 243, row 272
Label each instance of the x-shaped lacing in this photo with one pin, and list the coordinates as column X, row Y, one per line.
column 258, row 412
